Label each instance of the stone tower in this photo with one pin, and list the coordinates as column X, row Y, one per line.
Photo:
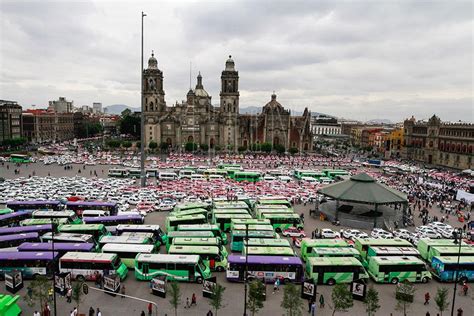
column 229, row 106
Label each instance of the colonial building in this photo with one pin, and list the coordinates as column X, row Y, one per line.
column 323, row 125
column 10, row 120
column 196, row 120
column 41, row 126
column 439, row 143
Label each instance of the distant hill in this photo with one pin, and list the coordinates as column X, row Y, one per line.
column 118, row 108
column 379, row 121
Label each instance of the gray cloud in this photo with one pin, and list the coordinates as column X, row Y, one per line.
column 364, row 59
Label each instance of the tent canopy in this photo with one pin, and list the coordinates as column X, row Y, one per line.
column 362, row 188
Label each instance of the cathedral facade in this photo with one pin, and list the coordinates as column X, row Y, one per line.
column 196, row 120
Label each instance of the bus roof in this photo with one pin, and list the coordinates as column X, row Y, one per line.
column 137, row 227
column 24, row 229
column 58, row 246
column 382, row 242
column 265, row 242
column 89, row 203
column 123, row 239
column 167, row 258
column 324, row 243
column 291, row 260
column 27, row 255
column 18, row 236
column 59, row 236
column 254, row 233
column 88, row 256
column 198, row 226
column 243, row 228
column 181, row 249
column 453, row 259
column 232, row 215
column 189, row 233
column 81, row 227
column 406, row 251
column 336, row 261
column 445, row 249
column 397, row 260
column 195, row 240
column 280, row 251
column 42, row 221
column 280, row 215
column 184, row 217
column 100, row 219
column 48, row 214
column 111, row 247
column 437, row 242
column 14, row 214
column 335, row 250
column 32, row 203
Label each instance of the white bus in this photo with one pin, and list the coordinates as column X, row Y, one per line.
column 127, row 239
column 197, row 177
column 128, row 252
column 167, row 176
column 186, row 173
column 86, row 265
column 119, row 173
column 67, row 237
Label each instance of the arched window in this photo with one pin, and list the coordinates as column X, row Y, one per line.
column 191, row 139
column 211, row 143
column 276, row 141
column 169, row 142
column 305, row 146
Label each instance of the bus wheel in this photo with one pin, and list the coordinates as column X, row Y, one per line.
column 199, row 280
column 286, row 281
column 425, row 280
column 219, row 269
column 331, row 282
column 394, row 281
column 36, row 276
column 278, row 230
column 80, row 278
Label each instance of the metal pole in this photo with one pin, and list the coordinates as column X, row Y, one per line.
column 246, row 267
column 54, row 267
column 459, row 240
column 142, row 122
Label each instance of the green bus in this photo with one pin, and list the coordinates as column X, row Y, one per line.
column 205, row 227
column 335, row 252
column 42, row 221
column 424, row 245
column 335, row 270
column 229, row 166
column 261, row 212
column 230, row 204
column 200, row 241
column 172, row 222
column 250, row 221
column 268, row 251
column 193, row 211
column 219, row 172
column 307, row 245
column 230, row 211
column 443, row 251
column 210, row 255
column 9, row 305
column 332, row 173
column 127, row 239
column 280, row 222
column 396, row 269
column 5, row 211
column 223, row 220
column 273, row 201
column 69, row 215
column 17, row 158
column 266, row 242
column 96, row 230
column 298, row 174
column 188, row 268
column 363, row 244
column 237, row 237
column 267, row 227
column 128, row 252
column 249, row 176
column 374, row 251
column 188, row 234
column 190, row 206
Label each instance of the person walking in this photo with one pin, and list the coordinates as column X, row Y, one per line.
column 209, row 313
column 142, row 313
column 313, row 308
column 193, row 300
column 427, row 298
column 91, row 311
column 188, row 305
column 460, row 311
column 321, row 301
column 150, row 309
column 36, row 313
column 99, row 313
column 69, row 295
column 122, row 290
column 309, row 305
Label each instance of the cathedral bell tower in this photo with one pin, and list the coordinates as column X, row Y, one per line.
column 229, row 107
column 153, row 93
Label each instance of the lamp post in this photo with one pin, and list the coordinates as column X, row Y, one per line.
column 142, row 121
column 458, row 239
column 246, row 267
column 53, row 228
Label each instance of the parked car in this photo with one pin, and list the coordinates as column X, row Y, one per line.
column 293, row 232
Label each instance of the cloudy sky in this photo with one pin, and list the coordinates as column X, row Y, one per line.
column 355, row 59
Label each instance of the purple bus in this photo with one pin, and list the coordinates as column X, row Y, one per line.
column 9, row 241
column 31, row 264
column 60, row 247
column 268, row 268
column 13, row 219
column 80, row 206
column 35, row 205
column 114, row 220
column 40, row 229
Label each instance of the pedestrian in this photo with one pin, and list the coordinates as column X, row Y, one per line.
column 122, row 290
column 91, row 311
column 193, row 300
column 46, row 310
column 69, row 295
column 428, row 314
column 464, row 288
column 150, row 309
column 142, row 313
column 36, row 313
column 74, row 311
column 99, row 313
column 209, row 313
column 321, row 301
column 188, row 305
column 427, row 298
column 460, row 311
column 309, row 305
column 313, row 308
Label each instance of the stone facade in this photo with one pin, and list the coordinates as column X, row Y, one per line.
column 41, row 126
column 10, row 120
column 439, row 143
column 196, row 120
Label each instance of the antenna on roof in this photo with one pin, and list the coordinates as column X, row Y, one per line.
column 190, row 66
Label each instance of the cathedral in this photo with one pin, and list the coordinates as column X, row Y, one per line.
column 196, row 120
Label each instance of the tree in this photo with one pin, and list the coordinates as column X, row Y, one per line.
column 256, row 296
column 113, row 143
column 266, row 147
column 241, row 148
column 175, row 296
column 279, row 148
column 164, row 146
column 204, row 147
column 292, row 302
column 441, row 299
column 371, row 301
column 152, row 145
column 130, row 124
column 404, row 295
column 77, row 294
column 126, row 144
column 190, row 146
column 341, row 298
column 293, row 150
column 39, row 292
column 217, row 298
column 138, row 145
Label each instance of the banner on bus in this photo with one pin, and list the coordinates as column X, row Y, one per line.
column 308, row 289
column 358, row 290
column 112, row 284
column 13, row 281
column 208, row 286
column 158, row 286
column 62, row 282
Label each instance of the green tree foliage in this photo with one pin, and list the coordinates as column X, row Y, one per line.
column 404, row 296
column 279, row 148
column 204, row 147
column 126, row 144
column 175, row 299
column 77, row 294
column 15, row 142
column 113, row 143
column 89, row 129
column 152, row 145
column 266, row 147
column 190, row 146
column 292, row 302
column 293, row 150
column 138, row 145
column 371, row 301
column 256, row 296
column 164, row 146
column 341, row 298
column 39, row 292
column 217, row 148
column 217, row 298
column 441, row 299
column 242, row 148
column 129, row 123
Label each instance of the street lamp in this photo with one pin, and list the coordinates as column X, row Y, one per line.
column 457, row 239
column 142, row 121
column 53, row 228
column 246, row 266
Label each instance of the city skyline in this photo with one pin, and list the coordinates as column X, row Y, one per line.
column 362, row 61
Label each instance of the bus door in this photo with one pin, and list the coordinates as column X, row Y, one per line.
column 191, row 273
column 356, row 274
column 386, row 277
column 418, row 274
column 145, row 269
column 321, row 276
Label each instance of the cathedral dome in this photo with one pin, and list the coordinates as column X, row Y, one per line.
column 229, row 64
column 199, row 91
column 152, row 62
